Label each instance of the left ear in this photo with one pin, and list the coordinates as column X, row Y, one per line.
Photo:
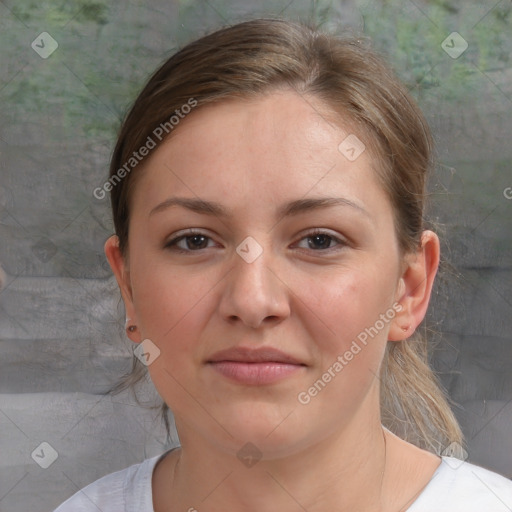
column 415, row 287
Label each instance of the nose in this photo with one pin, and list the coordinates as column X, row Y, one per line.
column 254, row 292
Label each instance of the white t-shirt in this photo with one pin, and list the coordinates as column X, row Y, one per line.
column 456, row 486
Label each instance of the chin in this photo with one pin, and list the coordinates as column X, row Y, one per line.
column 270, row 428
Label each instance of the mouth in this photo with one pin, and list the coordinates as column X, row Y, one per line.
column 255, row 366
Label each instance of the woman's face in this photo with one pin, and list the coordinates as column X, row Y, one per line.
column 305, row 295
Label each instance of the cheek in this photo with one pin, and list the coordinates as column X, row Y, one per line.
column 348, row 303
column 173, row 308
column 350, row 355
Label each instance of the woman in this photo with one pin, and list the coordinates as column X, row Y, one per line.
column 268, row 191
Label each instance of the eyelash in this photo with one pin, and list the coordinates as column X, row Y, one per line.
column 316, row 232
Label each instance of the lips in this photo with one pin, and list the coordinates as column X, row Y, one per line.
column 259, row 355
column 255, row 367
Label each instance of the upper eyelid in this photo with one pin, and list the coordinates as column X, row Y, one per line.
column 308, row 232
column 190, row 232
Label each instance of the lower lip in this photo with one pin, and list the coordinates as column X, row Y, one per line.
column 255, row 373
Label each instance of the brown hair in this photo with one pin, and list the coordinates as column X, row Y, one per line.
column 255, row 57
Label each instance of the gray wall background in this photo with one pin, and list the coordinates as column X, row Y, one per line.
column 62, row 335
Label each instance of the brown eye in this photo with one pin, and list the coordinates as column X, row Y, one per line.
column 193, row 242
column 322, row 241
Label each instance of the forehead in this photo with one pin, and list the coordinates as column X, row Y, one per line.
column 277, row 123
column 261, row 149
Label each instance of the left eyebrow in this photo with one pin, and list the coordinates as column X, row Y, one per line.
column 291, row 208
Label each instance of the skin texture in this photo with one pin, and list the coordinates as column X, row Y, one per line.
column 306, row 300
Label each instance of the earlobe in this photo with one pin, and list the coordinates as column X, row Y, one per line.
column 415, row 287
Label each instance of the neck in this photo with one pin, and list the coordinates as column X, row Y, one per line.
column 343, row 472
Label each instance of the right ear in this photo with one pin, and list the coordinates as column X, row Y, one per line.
column 121, row 271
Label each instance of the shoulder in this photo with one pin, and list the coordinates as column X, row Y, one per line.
column 123, row 491
column 461, row 486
